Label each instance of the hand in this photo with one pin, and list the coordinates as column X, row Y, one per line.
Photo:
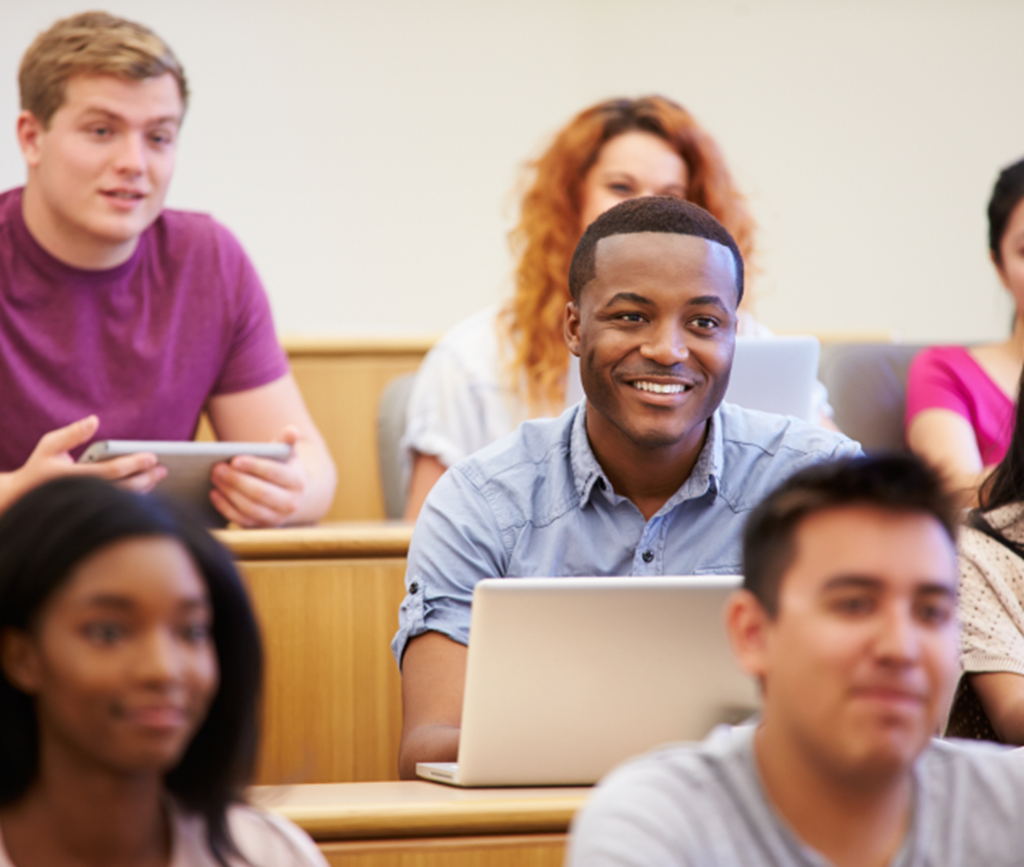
column 260, row 492
column 51, row 458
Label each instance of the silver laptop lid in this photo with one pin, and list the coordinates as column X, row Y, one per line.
column 566, row 677
column 775, row 375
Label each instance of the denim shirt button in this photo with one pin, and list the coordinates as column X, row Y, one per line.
column 648, row 555
column 414, row 587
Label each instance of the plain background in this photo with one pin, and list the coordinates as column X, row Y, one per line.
column 366, row 153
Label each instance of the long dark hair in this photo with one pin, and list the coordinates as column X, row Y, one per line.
column 1006, row 484
column 53, row 528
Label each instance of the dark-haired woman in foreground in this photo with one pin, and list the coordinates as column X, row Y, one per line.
column 960, row 401
column 130, row 671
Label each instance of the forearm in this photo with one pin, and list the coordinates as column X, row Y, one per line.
column 321, row 481
column 428, row 743
column 1002, row 696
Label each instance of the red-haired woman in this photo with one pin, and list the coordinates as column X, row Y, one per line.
column 502, row 366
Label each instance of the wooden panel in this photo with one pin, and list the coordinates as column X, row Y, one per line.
column 343, row 394
column 533, row 850
column 349, row 539
column 332, row 701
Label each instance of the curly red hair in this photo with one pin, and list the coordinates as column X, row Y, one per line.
column 549, row 229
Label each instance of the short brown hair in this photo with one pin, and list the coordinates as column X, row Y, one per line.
column 92, row 43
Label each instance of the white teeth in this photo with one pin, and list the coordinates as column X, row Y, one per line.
column 658, row 388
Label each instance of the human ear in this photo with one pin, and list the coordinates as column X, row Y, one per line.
column 999, row 270
column 746, row 624
column 572, row 327
column 19, row 660
column 29, row 129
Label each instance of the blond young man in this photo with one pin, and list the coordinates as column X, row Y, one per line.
column 120, row 319
column 848, row 621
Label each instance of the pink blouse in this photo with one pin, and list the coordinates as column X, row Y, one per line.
column 948, row 377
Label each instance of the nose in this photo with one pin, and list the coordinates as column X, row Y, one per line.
column 666, row 344
column 898, row 641
column 158, row 658
column 131, row 155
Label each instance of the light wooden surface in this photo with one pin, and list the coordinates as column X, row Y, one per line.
column 524, row 850
column 342, row 380
column 332, row 698
column 338, row 539
column 370, row 811
column 419, row 824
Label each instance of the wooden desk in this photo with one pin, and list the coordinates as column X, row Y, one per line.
column 327, row 601
column 429, row 825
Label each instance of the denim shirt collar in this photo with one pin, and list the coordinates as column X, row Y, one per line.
column 587, row 472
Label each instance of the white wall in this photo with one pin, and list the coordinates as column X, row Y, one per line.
column 365, row 152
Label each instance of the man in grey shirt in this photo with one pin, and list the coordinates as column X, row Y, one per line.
column 648, row 476
column 848, row 621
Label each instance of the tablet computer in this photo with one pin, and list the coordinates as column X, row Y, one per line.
column 189, row 465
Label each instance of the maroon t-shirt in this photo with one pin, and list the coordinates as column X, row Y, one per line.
column 142, row 345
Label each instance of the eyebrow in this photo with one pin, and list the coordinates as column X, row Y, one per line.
column 110, row 115
column 841, row 582
column 630, row 297
column 124, row 603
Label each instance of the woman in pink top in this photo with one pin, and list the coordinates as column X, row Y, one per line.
column 130, row 668
column 960, row 402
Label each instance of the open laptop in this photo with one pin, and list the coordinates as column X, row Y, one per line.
column 566, row 677
column 775, row 374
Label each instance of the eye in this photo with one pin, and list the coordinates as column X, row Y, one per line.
column 162, row 138
column 101, row 132
column 620, row 188
column 934, row 613
column 853, row 606
column 196, row 633
column 104, row 632
column 707, row 323
column 631, row 316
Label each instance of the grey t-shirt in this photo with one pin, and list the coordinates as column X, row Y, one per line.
column 702, row 805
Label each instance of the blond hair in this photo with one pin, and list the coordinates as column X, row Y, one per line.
column 91, row 43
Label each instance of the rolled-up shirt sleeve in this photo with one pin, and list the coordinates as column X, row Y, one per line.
column 457, row 541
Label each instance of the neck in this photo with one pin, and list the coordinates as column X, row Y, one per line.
column 647, row 476
column 850, row 822
column 79, row 813
column 68, row 243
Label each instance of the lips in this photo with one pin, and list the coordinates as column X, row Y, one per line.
column 157, row 717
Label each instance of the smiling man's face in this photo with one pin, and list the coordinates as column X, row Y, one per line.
column 655, row 332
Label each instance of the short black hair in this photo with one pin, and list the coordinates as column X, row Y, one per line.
column 1006, row 195
column 43, row 537
column 893, row 482
column 663, row 214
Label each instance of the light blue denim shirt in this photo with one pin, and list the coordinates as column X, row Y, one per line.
column 537, row 503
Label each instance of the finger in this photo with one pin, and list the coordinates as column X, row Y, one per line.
column 255, row 495
column 282, row 474
column 223, row 505
column 143, row 483
column 119, row 468
column 64, row 439
column 237, row 507
column 289, row 435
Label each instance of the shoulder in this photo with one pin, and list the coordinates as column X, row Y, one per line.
column 947, row 359
column 191, row 233
column 527, row 473
column 263, row 839
column 670, row 805
column 760, row 449
column 472, row 343
column 984, row 775
column 1008, row 520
